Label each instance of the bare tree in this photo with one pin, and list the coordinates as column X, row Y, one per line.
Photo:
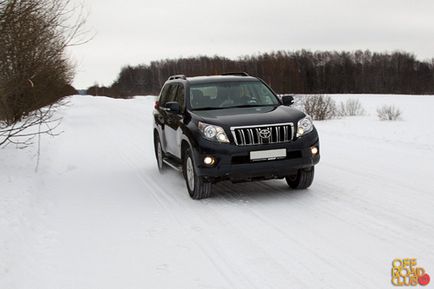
column 35, row 73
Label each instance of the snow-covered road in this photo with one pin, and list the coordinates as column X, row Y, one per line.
column 98, row 214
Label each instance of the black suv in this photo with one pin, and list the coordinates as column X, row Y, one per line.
column 232, row 127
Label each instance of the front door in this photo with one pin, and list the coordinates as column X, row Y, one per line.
column 173, row 128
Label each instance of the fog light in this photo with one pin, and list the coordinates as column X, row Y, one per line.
column 314, row 151
column 209, row 161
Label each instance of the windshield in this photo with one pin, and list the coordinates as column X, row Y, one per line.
column 221, row 95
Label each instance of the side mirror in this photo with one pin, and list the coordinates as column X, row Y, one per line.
column 173, row 106
column 287, row 100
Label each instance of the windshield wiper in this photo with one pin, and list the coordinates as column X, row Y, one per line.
column 208, row 108
column 250, row 105
column 236, row 106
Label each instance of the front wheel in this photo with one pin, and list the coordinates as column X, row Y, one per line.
column 302, row 179
column 197, row 187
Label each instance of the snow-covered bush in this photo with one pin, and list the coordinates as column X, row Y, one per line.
column 351, row 107
column 320, row 107
column 389, row 112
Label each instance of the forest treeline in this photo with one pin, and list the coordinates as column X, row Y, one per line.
column 290, row 72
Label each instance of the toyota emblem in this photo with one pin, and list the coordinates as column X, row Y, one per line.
column 265, row 133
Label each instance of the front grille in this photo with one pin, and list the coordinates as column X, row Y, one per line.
column 263, row 134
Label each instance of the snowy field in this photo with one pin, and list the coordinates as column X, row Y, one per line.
column 97, row 214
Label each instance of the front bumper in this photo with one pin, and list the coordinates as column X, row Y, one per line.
column 233, row 162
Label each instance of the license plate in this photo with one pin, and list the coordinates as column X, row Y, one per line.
column 268, row 155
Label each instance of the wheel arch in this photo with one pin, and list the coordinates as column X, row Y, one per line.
column 184, row 146
column 156, row 134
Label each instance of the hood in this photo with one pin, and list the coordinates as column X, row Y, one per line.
column 249, row 116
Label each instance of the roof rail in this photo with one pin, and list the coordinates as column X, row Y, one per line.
column 177, row 76
column 236, row 73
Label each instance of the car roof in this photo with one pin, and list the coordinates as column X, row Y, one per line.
column 219, row 78
column 215, row 78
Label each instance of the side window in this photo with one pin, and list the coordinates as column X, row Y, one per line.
column 164, row 94
column 180, row 97
column 172, row 92
column 168, row 94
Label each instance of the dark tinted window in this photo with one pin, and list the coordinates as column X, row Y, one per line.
column 163, row 93
column 180, row 96
column 168, row 94
column 172, row 92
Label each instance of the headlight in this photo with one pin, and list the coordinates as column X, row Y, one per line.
column 213, row 132
column 304, row 126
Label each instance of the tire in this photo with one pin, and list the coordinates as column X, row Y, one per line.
column 159, row 154
column 197, row 187
column 302, row 180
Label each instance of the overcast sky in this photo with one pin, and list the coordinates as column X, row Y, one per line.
column 139, row 31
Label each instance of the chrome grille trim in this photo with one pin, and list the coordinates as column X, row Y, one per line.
column 250, row 135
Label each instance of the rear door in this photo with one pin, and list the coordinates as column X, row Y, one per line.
column 175, row 121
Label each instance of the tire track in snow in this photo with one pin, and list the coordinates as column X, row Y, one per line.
column 308, row 252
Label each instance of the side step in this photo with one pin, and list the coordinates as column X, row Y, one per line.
column 174, row 165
